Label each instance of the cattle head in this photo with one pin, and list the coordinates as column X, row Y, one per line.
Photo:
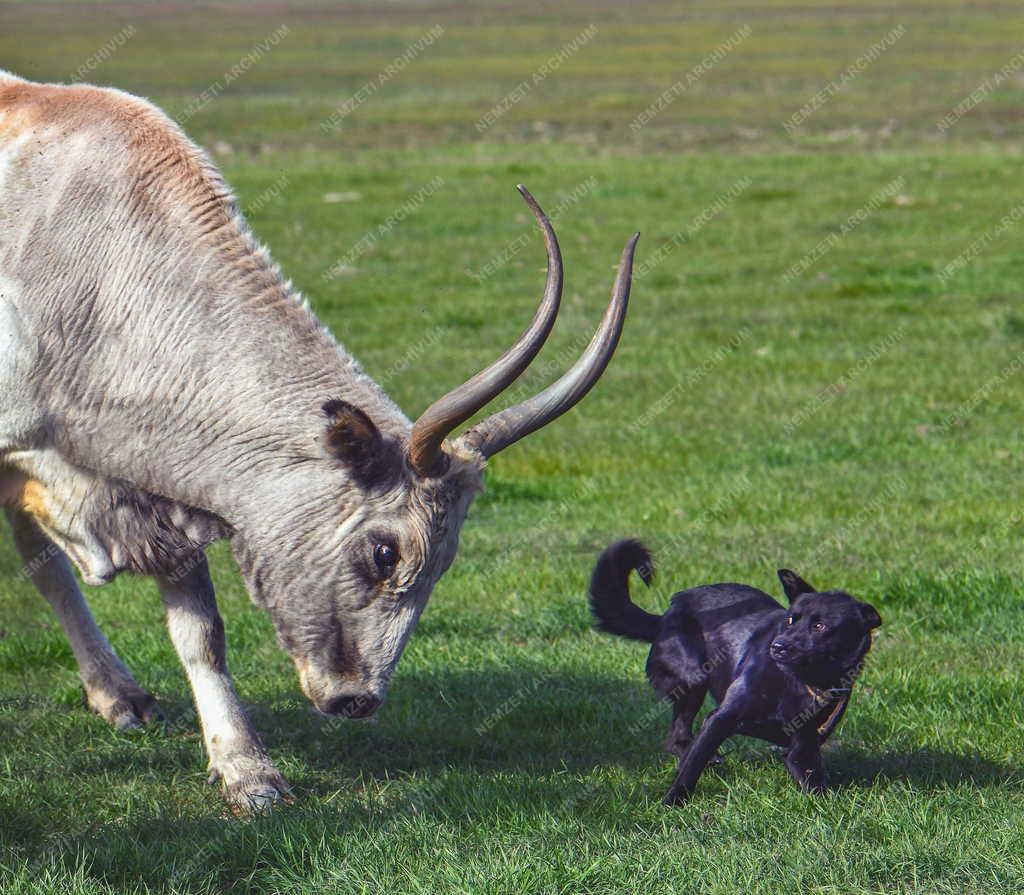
column 348, row 585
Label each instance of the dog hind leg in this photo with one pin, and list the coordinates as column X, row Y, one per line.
column 677, row 669
column 686, row 702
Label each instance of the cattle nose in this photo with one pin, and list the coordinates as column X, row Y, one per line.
column 361, row 706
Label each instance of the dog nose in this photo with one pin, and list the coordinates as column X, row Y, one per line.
column 361, row 706
column 778, row 648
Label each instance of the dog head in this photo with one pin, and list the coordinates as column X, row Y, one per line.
column 826, row 634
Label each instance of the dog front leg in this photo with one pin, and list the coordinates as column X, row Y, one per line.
column 805, row 765
column 237, row 758
column 717, row 728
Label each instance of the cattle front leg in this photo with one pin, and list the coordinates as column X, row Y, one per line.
column 110, row 689
column 237, row 758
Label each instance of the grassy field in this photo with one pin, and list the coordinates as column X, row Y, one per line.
column 804, row 381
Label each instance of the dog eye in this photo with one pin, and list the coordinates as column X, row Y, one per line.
column 789, row 620
column 386, row 558
column 819, row 627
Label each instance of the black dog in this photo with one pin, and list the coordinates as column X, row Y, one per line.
column 780, row 675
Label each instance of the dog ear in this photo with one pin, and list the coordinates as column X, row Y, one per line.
column 793, row 584
column 870, row 615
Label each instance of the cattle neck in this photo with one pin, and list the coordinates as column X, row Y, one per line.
column 227, row 418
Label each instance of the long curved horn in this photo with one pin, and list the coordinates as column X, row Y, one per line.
column 461, row 403
column 497, row 432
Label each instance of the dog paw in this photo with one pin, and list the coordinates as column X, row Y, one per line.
column 678, row 748
column 675, row 798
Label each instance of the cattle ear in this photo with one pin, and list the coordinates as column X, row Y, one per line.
column 793, row 584
column 870, row 615
column 352, row 436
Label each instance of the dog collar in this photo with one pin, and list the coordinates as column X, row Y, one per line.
column 836, row 692
column 824, row 696
column 827, row 695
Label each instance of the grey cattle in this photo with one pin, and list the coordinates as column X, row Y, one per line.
column 162, row 387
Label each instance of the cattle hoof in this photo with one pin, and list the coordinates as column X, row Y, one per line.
column 257, row 795
column 261, row 800
column 128, row 713
column 126, row 722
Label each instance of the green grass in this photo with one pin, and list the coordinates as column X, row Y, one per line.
column 559, row 795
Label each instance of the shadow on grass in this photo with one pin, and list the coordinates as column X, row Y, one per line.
column 490, row 719
column 452, row 748
column 486, row 720
column 924, row 768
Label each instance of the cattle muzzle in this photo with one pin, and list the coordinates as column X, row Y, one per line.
column 363, row 705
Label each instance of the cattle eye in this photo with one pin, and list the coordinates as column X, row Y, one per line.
column 819, row 627
column 386, row 558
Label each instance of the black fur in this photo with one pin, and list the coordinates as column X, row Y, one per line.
column 780, row 675
column 610, row 605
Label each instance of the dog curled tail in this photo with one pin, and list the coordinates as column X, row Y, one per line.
column 613, row 610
